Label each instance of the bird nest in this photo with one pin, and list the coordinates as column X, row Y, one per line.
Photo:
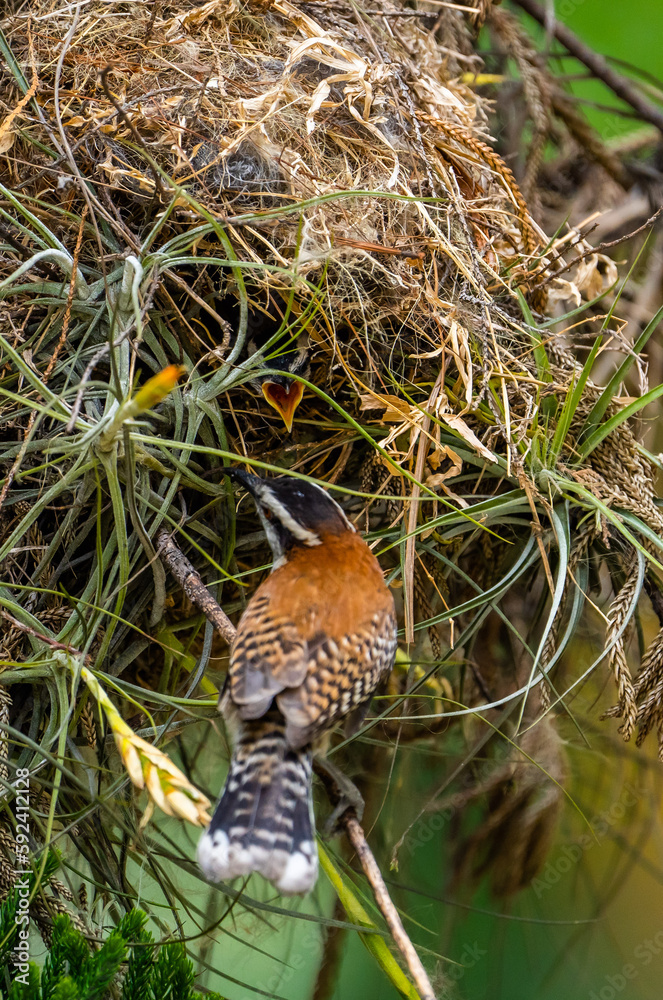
column 217, row 186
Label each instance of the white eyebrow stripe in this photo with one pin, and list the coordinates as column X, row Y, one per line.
column 287, row 520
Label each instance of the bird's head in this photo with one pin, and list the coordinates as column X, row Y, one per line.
column 293, row 512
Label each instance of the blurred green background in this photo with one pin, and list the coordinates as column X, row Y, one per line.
column 629, row 35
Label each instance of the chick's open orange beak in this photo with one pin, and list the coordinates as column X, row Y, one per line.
column 284, row 399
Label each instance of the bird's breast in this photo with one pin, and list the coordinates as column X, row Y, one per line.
column 334, row 587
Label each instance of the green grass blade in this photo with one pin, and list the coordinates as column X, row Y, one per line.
column 604, row 400
column 562, row 529
column 601, row 432
column 540, row 356
column 593, row 503
column 375, row 944
column 571, row 402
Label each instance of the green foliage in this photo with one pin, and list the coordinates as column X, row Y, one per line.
column 87, row 496
column 29, row 990
column 8, row 928
column 72, row 970
column 140, row 968
column 62, row 952
column 173, row 973
column 66, row 990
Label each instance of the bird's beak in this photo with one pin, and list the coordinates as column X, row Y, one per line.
column 247, row 479
column 284, row 399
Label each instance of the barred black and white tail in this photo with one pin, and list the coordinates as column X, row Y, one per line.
column 264, row 821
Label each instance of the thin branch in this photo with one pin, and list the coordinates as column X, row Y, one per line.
column 602, row 247
column 372, row 872
column 194, row 588
column 52, row 643
column 599, row 248
column 596, row 63
column 199, row 595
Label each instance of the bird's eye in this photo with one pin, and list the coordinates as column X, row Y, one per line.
column 267, row 514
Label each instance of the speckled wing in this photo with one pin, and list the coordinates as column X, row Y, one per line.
column 341, row 676
column 315, row 682
column 268, row 656
column 318, row 636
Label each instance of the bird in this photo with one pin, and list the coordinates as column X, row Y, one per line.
column 313, row 644
column 284, row 355
column 277, row 384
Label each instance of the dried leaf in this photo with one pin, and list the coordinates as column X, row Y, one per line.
column 436, row 459
column 458, row 424
column 594, row 274
column 561, row 290
column 395, row 408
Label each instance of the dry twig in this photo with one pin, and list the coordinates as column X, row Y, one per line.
column 194, row 588
column 372, row 872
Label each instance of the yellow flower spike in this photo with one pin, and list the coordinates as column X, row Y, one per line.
column 481, row 79
column 181, row 805
column 130, row 759
column 147, row 766
column 155, row 389
column 146, row 817
column 150, row 395
column 168, row 787
column 153, row 783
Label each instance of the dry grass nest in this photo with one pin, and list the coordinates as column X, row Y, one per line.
column 212, row 185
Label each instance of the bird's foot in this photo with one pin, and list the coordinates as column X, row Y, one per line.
column 343, row 795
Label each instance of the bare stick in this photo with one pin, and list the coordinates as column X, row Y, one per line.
column 53, row 643
column 200, row 596
column 372, row 872
column 596, row 63
column 194, row 588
